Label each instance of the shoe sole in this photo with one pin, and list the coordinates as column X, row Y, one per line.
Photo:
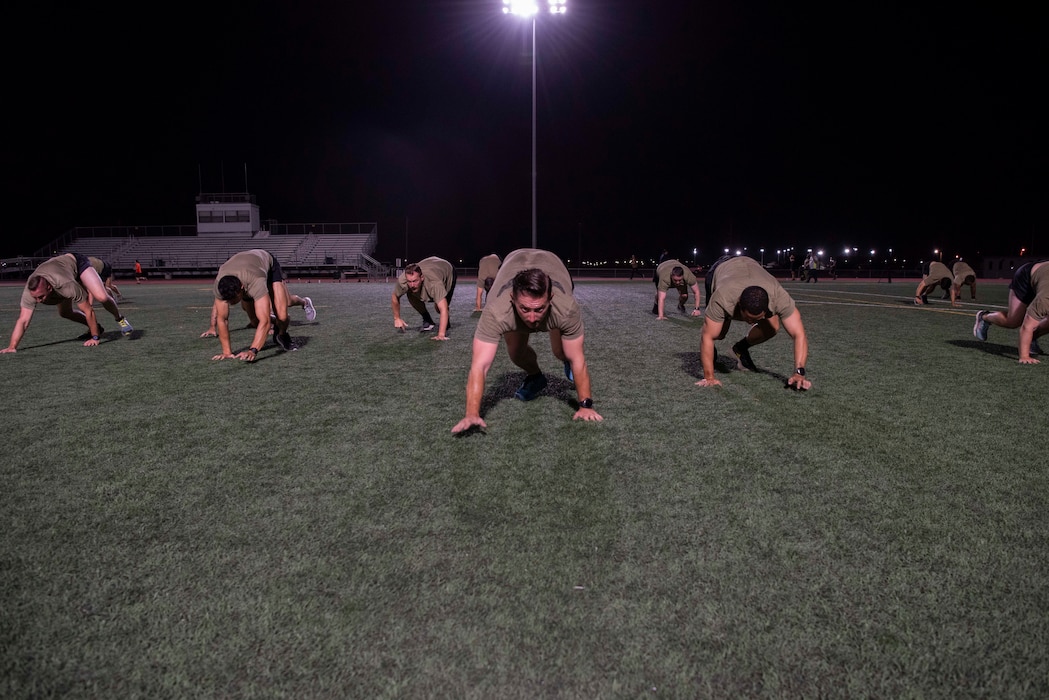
column 976, row 326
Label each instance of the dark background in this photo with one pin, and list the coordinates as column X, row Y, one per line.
column 661, row 124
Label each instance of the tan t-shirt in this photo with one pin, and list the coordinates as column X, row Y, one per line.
column 663, row 274
column 488, row 267
column 252, row 268
column 60, row 272
column 961, row 270
column 1038, row 309
column 937, row 273
column 499, row 316
column 437, row 280
column 732, row 277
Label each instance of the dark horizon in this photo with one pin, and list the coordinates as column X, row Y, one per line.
column 658, row 125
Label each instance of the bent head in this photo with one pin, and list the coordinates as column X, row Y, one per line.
column 754, row 304
column 677, row 275
column 39, row 288
column 230, row 289
column 413, row 277
column 531, row 294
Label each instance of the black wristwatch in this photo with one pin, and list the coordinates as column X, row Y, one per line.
column 586, row 403
column 255, row 351
column 94, row 337
column 800, row 371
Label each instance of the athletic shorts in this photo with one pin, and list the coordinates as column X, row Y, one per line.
column 1021, row 284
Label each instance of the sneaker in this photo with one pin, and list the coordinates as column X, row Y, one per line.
column 283, row 340
column 125, row 327
column 426, row 327
column 311, row 313
column 980, row 327
column 568, row 371
column 925, row 299
column 531, row 387
column 87, row 336
column 1035, row 348
column 743, row 358
column 655, row 309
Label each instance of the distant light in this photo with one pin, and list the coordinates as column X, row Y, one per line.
column 530, row 8
column 739, row 252
column 558, row 7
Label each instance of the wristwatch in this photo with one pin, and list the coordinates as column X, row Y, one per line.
column 586, row 403
column 800, row 371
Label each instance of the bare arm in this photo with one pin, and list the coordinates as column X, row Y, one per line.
column 91, row 319
column 573, row 350
column 21, row 325
column 661, row 298
column 480, row 363
column 263, row 309
column 395, row 303
column 796, row 330
column 699, row 300
column 442, row 327
column 1026, row 336
column 477, row 304
column 220, row 312
column 711, row 330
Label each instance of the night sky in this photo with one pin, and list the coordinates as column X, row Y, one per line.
column 660, row 124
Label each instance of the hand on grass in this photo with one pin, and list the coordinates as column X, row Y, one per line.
column 708, row 382
column 469, row 422
column 7, row 350
column 400, row 323
column 587, row 414
column 224, row 356
column 799, row 382
column 438, row 337
column 90, row 343
column 697, row 312
column 209, row 334
column 1029, row 361
column 246, row 355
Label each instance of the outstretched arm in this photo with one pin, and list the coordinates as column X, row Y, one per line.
column 796, row 330
column 480, row 363
column 711, row 332
column 1026, row 336
column 573, row 350
column 699, row 300
column 21, row 324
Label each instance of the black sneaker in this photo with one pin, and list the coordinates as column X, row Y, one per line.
column 531, row 387
column 283, row 340
column 743, row 358
column 655, row 309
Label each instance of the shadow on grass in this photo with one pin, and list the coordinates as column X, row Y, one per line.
column 506, row 385
column 985, row 347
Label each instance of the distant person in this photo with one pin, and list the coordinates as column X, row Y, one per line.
column 963, row 275
column 741, row 290
column 533, row 294
column 429, row 280
column 939, row 276
column 66, row 281
column 254, row 279
column 105, row 272
column 832, row 268
column 487, row 269
column 138, row 272
column 1028, row 310
column 812, row 265
column 672, row 274
column 634, row 262
column 793, row 268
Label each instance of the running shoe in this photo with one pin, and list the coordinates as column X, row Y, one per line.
column 531, row 387
column 125, row 327
column 568, row 371
column 311, row 312
column 426, row 327
column 743, row 358
column 981, row 327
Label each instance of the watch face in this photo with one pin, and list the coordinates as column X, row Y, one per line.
column 586, row 403
column 801, row 371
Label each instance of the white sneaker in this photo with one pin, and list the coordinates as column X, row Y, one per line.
column 311, row 313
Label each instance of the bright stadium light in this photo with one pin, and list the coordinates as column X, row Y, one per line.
column 530, row 9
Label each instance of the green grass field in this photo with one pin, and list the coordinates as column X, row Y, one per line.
column 306, row 526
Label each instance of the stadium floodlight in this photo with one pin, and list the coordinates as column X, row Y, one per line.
column 530, row 9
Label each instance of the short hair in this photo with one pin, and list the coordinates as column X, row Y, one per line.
column 229, row 288
column 677, row 271
column 488, row 282
column 945, row 283
column 533, row 282
column 35, row 282
column 754, row 300
column 412, row 269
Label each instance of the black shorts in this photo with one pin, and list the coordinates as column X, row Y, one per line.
column 275, row 274
column 1021, row 284
column 82, row 263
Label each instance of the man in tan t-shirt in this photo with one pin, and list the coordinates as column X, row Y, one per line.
column 255, row 280
column 740, row 289
column 963, row 275
column 939, row 276
column 429, row 280
column 64, row 281
column 532, row 294
column 672, row 274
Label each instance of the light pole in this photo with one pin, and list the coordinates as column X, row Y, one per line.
column 530, row 9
